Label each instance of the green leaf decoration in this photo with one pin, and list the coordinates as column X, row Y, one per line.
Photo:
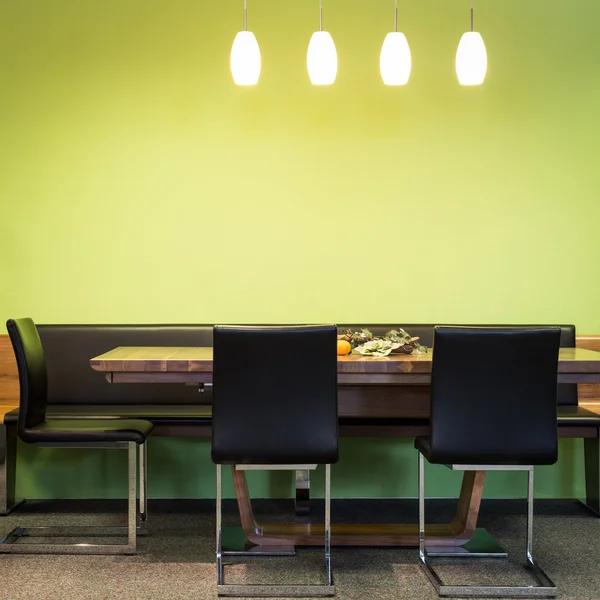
column 395, row 341
column 377, row 347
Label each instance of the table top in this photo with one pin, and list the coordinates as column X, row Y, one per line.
column 163, row 359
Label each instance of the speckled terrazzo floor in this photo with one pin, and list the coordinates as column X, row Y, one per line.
column 176, row 559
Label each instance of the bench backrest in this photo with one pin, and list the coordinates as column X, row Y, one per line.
column 68, row 349
column 71, row 380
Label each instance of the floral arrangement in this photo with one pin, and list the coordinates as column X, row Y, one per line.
column 395, row 341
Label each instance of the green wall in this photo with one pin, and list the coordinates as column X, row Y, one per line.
column 138, row 184
column 181, row 468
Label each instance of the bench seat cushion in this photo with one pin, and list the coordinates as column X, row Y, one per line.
column 191, row 414
column 202, row 414
column 178, row 414
column 90, row 431
column 577, row 415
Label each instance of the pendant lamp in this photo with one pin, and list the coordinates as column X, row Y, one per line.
column 321, row 59
column 245, row 56
column 471, row 57
column 395, row 59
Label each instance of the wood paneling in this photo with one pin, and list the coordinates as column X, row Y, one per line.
column 590, row 342
column 9, row 378
column 589, row 393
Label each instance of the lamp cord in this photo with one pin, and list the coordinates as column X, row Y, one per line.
column 321, row 15
column 471, row 15
column 245, row 17
column 396, row 16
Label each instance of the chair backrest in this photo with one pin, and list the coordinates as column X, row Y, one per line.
column 493, row 395
column 31, row 364
column 275, row 395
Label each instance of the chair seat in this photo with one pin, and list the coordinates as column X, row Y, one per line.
column 89, row 430
column 577, row 415
column 423, row 445
column 159, row 414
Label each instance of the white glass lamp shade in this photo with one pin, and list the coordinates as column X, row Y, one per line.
column 245, row 59
column 395, row 61
column 321, row 59
column 471, row 59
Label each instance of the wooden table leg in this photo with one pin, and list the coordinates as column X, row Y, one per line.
column 465, row 521
column 456, row 533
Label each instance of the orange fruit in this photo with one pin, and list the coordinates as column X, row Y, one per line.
column 343, row 347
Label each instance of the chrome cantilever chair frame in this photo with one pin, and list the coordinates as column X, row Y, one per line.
column 545, row 589
column 275, row 590
column 136, row 518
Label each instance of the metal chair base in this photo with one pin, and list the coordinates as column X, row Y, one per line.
column 273, row 590
column 10, row 545
column 545, row 587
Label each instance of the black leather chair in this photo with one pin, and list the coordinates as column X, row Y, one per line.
column 35, row 428
column 493, row 407
column 266, row 416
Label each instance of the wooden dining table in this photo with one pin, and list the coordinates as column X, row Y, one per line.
column 384, row 389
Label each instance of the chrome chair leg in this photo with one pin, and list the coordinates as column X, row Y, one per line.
column 421, row 508
column 328, row 524
column 219, row 529
column 132, row 508
column 530, row 487
column 143, row 482
column 537, row 571
column 274, row 590
column 545, row 587
column 9, row 543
